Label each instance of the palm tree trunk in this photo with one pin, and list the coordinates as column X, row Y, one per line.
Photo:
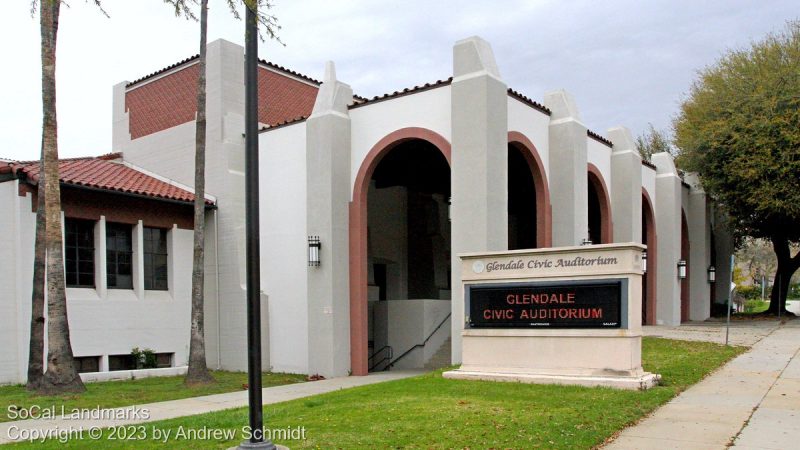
column 36, row 346
column 61, row 375
column 198, row 370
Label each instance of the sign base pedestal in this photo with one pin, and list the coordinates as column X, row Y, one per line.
column 642, row 382
column 569, row 316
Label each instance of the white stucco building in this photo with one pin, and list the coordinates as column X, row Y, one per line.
column 395, row 187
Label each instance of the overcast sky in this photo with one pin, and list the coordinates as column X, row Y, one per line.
column 626, row 62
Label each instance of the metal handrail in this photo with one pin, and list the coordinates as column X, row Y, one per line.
column 387, row 357
column 392, row 363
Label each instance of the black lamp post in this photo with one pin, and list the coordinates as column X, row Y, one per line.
column 253, row 263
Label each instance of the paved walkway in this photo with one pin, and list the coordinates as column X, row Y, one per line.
column 197, row 405
column 753, row 402
column 742, row 332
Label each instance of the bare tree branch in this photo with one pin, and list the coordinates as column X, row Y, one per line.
column 266, row 20
column 182, row 8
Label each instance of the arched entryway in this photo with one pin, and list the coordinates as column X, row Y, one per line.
column 399, row 213
column 685, row 256
column 529, row 211
column 599, row 208
column 649, row 279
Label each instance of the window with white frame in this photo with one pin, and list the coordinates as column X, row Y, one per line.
column 156, row 276
column 79, row 252
column 119, row 256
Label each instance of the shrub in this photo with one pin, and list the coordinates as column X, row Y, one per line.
column 145, row 358
column 749, row 292
column 753, row 306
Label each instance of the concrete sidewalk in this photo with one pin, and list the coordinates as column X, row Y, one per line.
column 753, row 402
column 197, row 405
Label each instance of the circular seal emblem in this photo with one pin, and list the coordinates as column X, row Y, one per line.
column 478, row 266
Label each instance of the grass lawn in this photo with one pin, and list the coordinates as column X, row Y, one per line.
column 432, row 412
column 755, row 306
column 110, row 394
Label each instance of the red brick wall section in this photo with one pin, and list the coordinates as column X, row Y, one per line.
column 281, row 98
column 171, row 100
column 164, row 103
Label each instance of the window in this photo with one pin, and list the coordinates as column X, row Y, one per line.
column 87, row 364
column 121, row 362
column 129, row 362
column 118, row 256
column 155, row 259
column 164, row 360
column 79, row 256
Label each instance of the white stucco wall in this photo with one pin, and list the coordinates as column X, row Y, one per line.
column 284, row 246
column 101, row 324
column 534, row 125
column 114, row 324
column 649, row 185
column 9, row 314
column 170, row 152
column 387, row 220
column 370, row 123
column 409, row 323
column 600, row 155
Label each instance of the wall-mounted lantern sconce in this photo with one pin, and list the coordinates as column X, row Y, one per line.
column 712, row 274
column 682, row 269
column 449, row 208
column 586, row 241
column 644, row 261
column 313, row 250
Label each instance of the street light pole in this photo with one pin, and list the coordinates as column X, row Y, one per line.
column 253, row 263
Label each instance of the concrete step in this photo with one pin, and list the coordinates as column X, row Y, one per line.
column 441, row 358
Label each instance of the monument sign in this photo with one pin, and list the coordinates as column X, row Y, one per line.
column 567, row 315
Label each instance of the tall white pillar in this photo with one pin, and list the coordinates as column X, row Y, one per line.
column 697, row 219
column 668, row 228
column 100, row 271
column 626, row 186
column 569, row 190
column 137, row 242
column 327, row 197
column 479, row 178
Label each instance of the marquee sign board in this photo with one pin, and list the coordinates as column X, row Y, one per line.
column 568, row 315
column 586, row 304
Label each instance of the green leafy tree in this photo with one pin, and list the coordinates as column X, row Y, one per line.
column 653, row 141
column 758, row 258
column 739, row 129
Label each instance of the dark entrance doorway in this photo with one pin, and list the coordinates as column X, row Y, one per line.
column 522, row 206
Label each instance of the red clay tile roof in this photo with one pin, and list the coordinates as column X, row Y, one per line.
column 283, row 124
column 107, row 172
column 289, row 72
column 282, row 98
column 530, row 102
column 361, row 101
column 599, row 138
column 163, row 103
column 171, row 100
column 165, row 69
